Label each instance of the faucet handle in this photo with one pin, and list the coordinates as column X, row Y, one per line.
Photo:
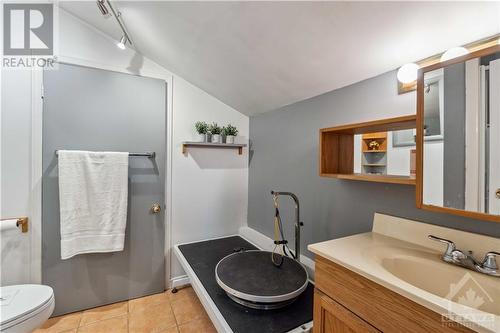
column 490, row 260
column 451, row 246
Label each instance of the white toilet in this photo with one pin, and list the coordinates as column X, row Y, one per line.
column 25, row 307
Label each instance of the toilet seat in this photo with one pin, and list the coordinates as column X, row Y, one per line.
column 25, row 306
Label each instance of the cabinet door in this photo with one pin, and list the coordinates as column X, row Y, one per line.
column 331, row 317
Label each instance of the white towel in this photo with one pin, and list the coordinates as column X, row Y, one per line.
column 93, row 191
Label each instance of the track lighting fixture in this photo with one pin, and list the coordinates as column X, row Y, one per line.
column 101, row 4
column 107, row 9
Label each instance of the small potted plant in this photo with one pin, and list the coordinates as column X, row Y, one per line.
column 215, row 130
column 230, row 132
column 201, row 129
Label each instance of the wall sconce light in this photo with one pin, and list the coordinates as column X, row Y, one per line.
column 453, row 53
column 408, row 73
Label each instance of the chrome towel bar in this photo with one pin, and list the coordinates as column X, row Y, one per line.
column 151, row 154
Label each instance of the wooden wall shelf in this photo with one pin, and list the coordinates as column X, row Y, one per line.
column 374, row 164
column 237, row 146
column 376, row 151
column 392, row 179
column 336, row 153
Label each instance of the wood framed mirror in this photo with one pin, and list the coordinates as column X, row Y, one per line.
column 458, row 105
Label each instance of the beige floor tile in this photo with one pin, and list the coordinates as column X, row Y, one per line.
column 151, row 319
column 171, row 330
column 115, row 325
column 202, row 325
column 187, row 309
column 103, row 312
column 182, row 293
column 61, row 324
column 140, row 303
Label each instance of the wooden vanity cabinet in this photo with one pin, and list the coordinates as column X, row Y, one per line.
column 330, row 316
column 346, row 302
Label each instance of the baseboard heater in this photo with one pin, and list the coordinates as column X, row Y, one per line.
column 199, row 260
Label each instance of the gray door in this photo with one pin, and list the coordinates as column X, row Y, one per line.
column 97, row 110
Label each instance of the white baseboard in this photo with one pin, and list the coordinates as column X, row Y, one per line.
column 179, row 281
column 265, row 243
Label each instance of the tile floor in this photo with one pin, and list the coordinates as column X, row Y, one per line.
column 181, row 312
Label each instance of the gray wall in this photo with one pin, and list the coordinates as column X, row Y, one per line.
column 454, row 136
column 284, row 156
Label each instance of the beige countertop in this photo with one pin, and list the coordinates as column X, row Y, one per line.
column 415, row 272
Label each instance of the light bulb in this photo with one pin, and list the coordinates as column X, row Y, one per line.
column 453, row 53
column 122, row 42
column 408, row 73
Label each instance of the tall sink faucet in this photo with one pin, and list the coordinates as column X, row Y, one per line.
column 298, row 224
column 453, row 256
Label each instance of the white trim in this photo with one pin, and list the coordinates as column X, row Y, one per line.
column 168, row 180
column 179, row 281
column 494, row 167
column 305, row 328
column 482, row 141
column 266, row 243
column 37, row 167
column 472, row 135
column 36, row 176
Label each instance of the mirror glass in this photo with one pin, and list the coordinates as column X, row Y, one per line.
column 461, row 165
column 378, row 153
column 433, row 109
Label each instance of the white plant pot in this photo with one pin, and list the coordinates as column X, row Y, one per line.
column 201, row 138
column 230, row 139
column 215, row 138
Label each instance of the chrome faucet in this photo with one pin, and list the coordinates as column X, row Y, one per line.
column 453, row 256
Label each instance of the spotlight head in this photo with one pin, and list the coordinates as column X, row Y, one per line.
column 122, row 43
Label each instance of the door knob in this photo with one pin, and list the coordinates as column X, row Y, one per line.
column 156, row 208
column 497, row 193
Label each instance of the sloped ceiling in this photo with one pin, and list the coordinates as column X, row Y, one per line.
column 259, row 56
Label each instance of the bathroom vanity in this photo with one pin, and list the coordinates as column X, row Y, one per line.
column 393, row 280
column 348, row 302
